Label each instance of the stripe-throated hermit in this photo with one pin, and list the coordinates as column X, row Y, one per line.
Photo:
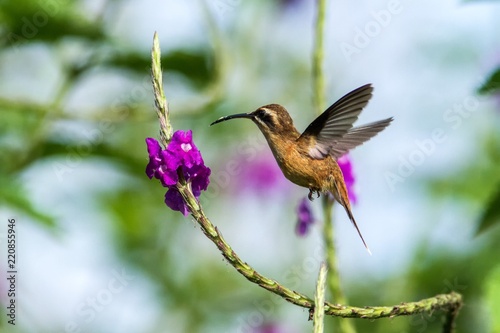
column 310, row 159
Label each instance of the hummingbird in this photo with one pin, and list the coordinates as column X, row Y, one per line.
column 310, row 159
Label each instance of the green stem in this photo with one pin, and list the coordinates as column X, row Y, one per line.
column 319, row 300
column 333, row 278
column 160, row 99
column 450, row 303
column 318, row 56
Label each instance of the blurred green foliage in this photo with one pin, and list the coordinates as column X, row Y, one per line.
column 492, row 84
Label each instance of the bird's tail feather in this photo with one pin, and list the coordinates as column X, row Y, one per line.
column 351, row 217
column 339, row 191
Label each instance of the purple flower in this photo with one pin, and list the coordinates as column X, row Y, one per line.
column 155, row 160
column 346, row 167
column 199, row 178
column 182, row 146
column 174, row 200
column 162, row 164
column 181, row 157
column 305, row 217
column 259, row 175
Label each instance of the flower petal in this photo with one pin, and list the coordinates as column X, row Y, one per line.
column 345, row 165
column 200, row 180
column 153, row 147
column 174, row 200
column 183, row 147
column 168, row 171
column 154, row 150
column 305, row 217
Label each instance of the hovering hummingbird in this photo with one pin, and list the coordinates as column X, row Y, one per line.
column 310, row 159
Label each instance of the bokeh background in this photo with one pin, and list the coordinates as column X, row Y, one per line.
column 98, row 250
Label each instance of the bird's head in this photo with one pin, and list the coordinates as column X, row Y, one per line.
column 271, row 119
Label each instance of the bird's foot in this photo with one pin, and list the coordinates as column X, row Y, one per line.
column 311, row 192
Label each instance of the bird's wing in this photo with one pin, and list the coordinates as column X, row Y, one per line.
column 357, row 136
column 336, row 121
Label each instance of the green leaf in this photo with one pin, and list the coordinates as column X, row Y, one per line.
column 32, row 20
column 492, row 84
column 491, row 215
column 193, row 64
column 13, row 196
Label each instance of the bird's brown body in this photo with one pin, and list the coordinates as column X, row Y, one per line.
column 296, row 164
column 309, row 159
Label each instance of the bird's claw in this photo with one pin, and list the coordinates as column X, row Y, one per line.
column 311, row 192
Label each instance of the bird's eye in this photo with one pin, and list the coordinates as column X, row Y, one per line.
column 261, row 113
column 265, row 117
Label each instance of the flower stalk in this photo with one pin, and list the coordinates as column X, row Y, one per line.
column 179, row 166
column 160, row 99
column 319, row 300
column 333, row 278
column 318, row 56
column 180, row 154
column 450, row 303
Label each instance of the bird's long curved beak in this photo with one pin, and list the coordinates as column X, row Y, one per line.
column 239, row 115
